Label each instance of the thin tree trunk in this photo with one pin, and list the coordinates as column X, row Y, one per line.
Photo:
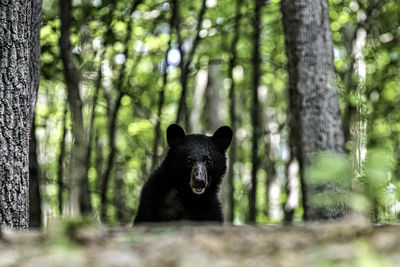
column 99, row 160
column 110, row 160
column 86, row 207
column 112, row 124
column 161, row 98
column 182, row 106
column 17, row 100
column 61, row 157
column 315, row 116
column 229, row 189
column 74, row 99
column 256, row 62
column 269, row 168
column 85, row 202
column 355, row 122
column 351, row 34
column 360, row 128
column 123, row 213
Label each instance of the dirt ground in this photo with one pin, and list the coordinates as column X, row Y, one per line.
column 204, row 245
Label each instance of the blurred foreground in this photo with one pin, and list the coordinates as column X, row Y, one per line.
column 74, row 244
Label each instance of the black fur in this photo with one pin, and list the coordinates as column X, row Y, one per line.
column 167, row 195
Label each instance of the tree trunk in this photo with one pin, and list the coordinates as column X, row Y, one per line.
column 35, row 51
column 17, row 101
column 61, row 157
column 255, row 112
column 161, row 99
column 35, row 203
column 229, row 207
column 85, row 200
column 112, row 123
column 72, row 79
column 182, row 112
column 315, row 117
column 123, row 213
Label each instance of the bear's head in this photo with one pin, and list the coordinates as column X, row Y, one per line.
column 198, row 161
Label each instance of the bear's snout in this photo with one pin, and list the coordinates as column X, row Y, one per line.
column 198, row 178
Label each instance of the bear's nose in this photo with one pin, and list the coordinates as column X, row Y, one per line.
column 199, row 183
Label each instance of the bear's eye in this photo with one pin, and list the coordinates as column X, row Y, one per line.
column 208, row 160
column 189, row 161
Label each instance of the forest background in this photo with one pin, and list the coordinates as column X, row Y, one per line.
column 142, row 65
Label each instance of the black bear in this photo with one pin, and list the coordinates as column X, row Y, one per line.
column 186, row 184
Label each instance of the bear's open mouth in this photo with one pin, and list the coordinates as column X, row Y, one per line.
column 198, row 191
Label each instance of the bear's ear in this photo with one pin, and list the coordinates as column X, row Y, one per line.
column 175, row 135
column 223, row 137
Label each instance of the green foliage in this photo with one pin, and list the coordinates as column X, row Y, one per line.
column 373, row 190
column 329, row 167
column 67, row 233
column 98, row 38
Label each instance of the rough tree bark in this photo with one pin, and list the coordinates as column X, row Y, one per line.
column 35, row 51
column 17, row 100
column 315, row 115
column 255, row 112
column 35, row 204
column 72, row 78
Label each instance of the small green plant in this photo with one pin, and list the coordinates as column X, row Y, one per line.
column 369, row 192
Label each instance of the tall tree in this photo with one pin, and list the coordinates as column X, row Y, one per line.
column 112, row 120
column 61, row 157
column 186, row 60
column 122, row 211
column 17, row 101
column 315, row 115
column 255, row 112
column 229, row 188
column 72, row 79
column 161, row 96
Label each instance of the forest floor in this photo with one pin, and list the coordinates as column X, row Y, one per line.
column 204, row 245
